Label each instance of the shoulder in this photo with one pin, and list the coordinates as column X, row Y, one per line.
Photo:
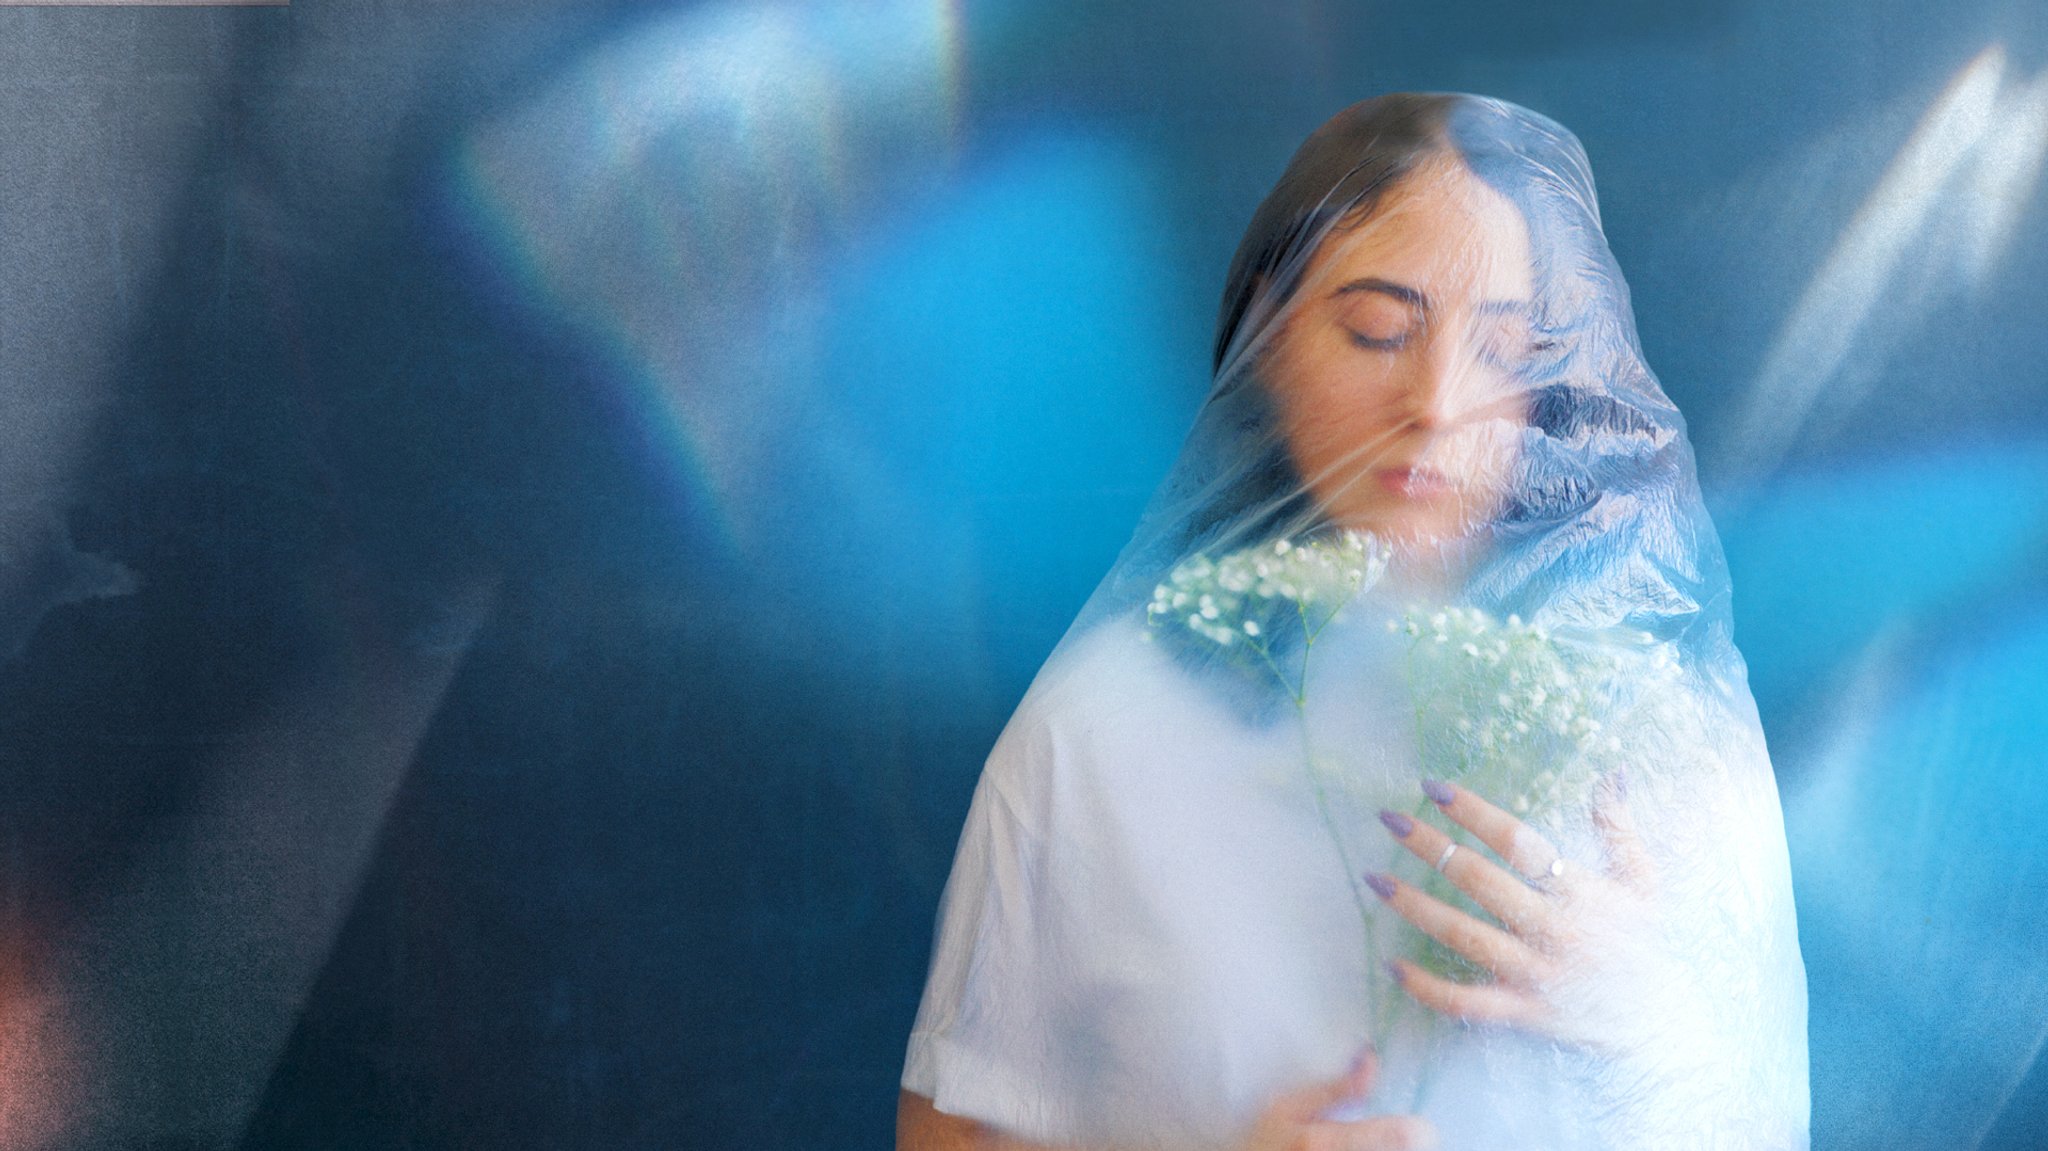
column 1107, row 696
column 1099, row 670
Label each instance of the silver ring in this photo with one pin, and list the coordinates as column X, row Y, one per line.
column 1449, row 850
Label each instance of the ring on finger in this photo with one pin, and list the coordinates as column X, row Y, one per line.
column 1547, row 878
column 1450, row 849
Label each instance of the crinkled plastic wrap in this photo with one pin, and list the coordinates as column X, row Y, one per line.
column 1436, row 521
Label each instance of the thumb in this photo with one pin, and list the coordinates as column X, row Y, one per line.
column 1365, row 1067
column 1308, row 1103
column 1628, row 858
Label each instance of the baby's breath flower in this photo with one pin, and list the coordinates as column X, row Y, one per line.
column 1515, row 711
column 1235, row 601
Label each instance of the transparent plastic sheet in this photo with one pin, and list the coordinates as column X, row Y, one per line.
column 1435, row 523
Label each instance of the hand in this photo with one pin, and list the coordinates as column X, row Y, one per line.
column 1292, row 1122
column 1573, row 948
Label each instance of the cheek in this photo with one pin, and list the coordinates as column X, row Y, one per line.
column 1335, row 427
column 1331, row 411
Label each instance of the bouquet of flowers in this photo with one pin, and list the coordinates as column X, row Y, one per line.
column 1525, row 715
column 1255, row 604
column 1528, row 717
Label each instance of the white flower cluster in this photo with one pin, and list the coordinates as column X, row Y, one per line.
column 1520, row 713
column 1525, row 717
column 1225, row 600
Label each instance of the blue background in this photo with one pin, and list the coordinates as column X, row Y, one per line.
column 519, row 523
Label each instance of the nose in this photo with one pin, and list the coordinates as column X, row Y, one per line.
column 1450, row 383
column 1431, row 397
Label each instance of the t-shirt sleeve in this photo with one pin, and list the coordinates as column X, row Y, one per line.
column 992, row 1038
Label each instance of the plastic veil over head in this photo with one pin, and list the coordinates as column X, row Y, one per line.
column 1410, row 715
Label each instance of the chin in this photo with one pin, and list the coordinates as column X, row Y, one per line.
column 1424, row 533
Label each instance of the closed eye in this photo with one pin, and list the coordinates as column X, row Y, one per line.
column 1379, row 343
column 1379, row 315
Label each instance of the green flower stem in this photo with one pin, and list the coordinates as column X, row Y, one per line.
column 1210, row 598
column 1403, row 1002
column 1429, row 1065
column 1351, row 877
column 1298, row 695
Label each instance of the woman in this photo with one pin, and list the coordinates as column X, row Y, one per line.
column 1405, row 736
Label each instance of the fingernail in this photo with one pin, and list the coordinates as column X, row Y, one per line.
column 1358, row 1061
column 1437, row 793
column 1380, row 884
column 1394, row 970
column 1621, row 783
column 1397, row 823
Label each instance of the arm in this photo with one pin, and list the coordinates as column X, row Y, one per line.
column 922, row 1127
column 1291, row 1122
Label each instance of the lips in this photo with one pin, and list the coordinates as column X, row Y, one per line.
column 1415, row 483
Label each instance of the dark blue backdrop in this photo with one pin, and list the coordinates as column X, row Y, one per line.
column 519, row 522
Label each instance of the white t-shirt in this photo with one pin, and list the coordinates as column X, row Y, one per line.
column 1150, row 927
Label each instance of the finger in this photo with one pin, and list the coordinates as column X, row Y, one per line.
column 1508, row 958
column 1481, row 1003
column 1304, row 1104
column 1628, row 859
column 1380, row 1133
column 1507, row 897
column 1510, row 838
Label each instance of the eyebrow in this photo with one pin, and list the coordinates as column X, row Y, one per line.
column 1408, row 295
column 1401, row 292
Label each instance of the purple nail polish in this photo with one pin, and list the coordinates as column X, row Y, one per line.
column 1397, row 823
column 1358, row 1060
column 1621, row 783
column 1381, row 885
column 1437, row 793
column 1394, row 970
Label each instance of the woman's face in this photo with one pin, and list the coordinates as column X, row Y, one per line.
column 1395, row 376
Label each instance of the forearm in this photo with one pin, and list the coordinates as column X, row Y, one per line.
column 922, row 1127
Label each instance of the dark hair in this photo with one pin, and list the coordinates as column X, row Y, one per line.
column 1602, row 517
column 1334, row 180
column 1341, row 170
column 1332, row 183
